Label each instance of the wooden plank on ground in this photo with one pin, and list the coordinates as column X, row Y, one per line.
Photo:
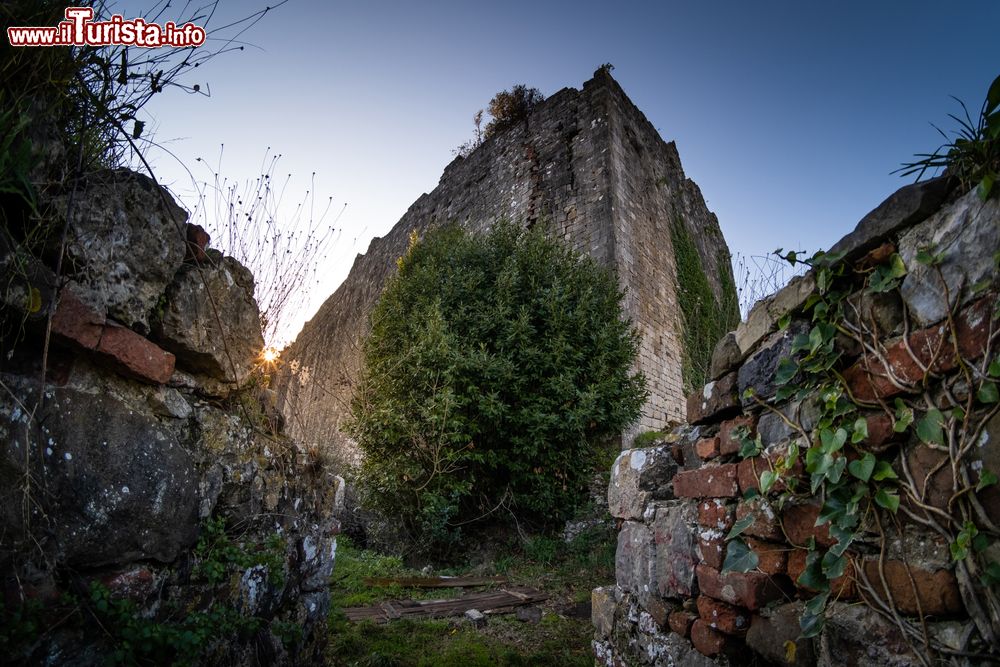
column 492, row 602
column 435, row 582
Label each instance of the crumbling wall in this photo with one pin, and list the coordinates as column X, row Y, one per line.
column 151, row 509
column 919, row 333
column 590, row 167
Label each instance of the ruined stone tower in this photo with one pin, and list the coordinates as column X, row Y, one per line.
column 588, row 166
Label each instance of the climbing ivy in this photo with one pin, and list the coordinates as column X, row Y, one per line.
column 705, row 319
column 861, row 490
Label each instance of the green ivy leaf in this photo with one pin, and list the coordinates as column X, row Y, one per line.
column 740, row 526
column 787, row 369
column 985, row 186
column 844, row 538
column 862, row 468
column 784, row 321
column 834, row 564
column 988, row 393
column 739, row 557
column 836, row 471
column 812, row 576
column 767, row 479
column 887, row 499
column 986, row 478
column 883, row 471
column 904, row 416
column 991, row 574
column 930, row 427
column 860, row 430
column 994, row 369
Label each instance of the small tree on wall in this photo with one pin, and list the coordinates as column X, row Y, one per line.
column 496, row 368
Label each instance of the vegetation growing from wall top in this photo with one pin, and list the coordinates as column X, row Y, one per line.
column 496, row 368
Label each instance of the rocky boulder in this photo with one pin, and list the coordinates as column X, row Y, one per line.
column 125, row 242
column 211, row 322
column 114, row 485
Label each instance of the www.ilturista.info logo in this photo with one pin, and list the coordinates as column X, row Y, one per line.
column 79, row 29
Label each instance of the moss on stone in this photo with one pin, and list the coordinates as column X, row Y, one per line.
column 706, row 320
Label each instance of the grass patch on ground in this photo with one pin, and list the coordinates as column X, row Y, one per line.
column 566, row 571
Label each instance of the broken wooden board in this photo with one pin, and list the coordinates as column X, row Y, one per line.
column 488, row 602
column 435, row 582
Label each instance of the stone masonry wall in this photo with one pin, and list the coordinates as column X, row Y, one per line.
column 150, row 508
column 675, row 603
column 589, row 166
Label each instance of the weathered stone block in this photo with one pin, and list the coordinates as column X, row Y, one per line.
column 771, row 632
column 716, row 399
column 125, row 242
column 707, row 448
column 758, row 372
column 639, row 476
column 211, row 321
column 680, row 622
column 907, row 206
column 635, row 560
column 675, row 540
column 725, row 357
column 602, row 610
column 115, row 484
column 763, row 317
column 966, row 234
column 857, row 636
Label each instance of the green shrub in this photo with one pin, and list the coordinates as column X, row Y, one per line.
column 496, row 368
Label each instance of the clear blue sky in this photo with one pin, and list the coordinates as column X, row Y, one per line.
column 789, row 115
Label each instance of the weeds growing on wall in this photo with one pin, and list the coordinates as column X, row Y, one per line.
column 972, row 155
column 283, row 249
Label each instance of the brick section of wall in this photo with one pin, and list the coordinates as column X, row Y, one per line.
column 916, row 571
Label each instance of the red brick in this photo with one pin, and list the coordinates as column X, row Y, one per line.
column 868, row 379
column 935, row 490
column 752, row 590
column 765, row 524
column 137, row 583
column 712, row 550
column 707, row 448
column 722, row 616
column 727, row 443
column 710, row 481
column 197, row 242
column 718, row 398
column 707, row 641
column 880, row 431
column 841, row 588
column 76, row 321
column 717, row 514
column 135, row 356
column 799, row 522
column 937, row 591
column 772, row 557
column 680, row 622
